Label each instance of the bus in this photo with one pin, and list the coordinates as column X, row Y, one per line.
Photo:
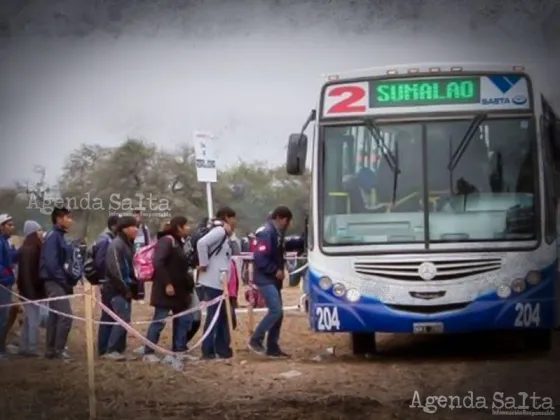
column 433, row 207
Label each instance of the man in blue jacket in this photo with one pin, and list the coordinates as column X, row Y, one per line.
column 7, row 278
column 58, row 282
column 268, row 276
column 99, row 257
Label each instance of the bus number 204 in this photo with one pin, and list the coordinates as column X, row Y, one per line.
column 327, row 318
column 528, row 315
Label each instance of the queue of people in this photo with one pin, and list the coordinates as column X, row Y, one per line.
column 177, row 284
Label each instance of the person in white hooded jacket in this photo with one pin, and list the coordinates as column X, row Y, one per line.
column 214, row 254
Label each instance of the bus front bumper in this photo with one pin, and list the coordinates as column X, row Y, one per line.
column 330, row 314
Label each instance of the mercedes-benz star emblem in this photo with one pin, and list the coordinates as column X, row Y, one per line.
column 427, row 271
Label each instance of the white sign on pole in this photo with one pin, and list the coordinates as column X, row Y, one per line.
column 206, row 170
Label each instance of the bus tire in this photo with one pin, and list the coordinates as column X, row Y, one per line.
column 363, row 343
column 539, row 340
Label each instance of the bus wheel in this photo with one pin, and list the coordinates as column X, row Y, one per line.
column 363, row 343
column 539, row 340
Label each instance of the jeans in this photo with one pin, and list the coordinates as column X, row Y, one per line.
column 58, row 326
column 218, row 341
column 123, row 309
column 181, row 326
column 5, row 299
column 104, row 331
column 272, row 321
column 30, row 329
column 43, row 317
column 196, row 316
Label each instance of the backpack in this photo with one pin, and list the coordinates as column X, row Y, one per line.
column 254, row 297
column 143, row 261
column 91, row 272
column 74, row 264
column 190, row 249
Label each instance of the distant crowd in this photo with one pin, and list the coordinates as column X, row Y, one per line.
column 184, row 266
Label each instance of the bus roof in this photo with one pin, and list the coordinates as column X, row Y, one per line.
column 425, row 68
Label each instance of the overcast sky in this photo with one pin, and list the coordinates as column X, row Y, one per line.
column 247, row 71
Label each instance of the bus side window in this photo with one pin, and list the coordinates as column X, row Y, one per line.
column 550, row 197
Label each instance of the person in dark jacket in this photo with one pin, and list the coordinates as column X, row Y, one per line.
column 30, row 287
column 172, row 287
column 99, row 250
column 58, row 282
column 120, row 283
column 268, row 277
column 7, row 280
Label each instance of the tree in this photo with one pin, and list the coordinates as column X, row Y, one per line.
column 97, row 181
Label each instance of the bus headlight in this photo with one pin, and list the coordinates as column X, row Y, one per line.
column 325, row 283
column 533, row 278
column 503, row 291
column 353, row 295
column 339, row 290
column 518, row 285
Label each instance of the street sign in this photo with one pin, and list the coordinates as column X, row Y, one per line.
column 206, row 170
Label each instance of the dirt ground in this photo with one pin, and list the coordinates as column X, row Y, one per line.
column 327, row 386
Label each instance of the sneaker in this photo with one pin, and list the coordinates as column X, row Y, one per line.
column 3, row 357
column 64, row 355
column 139, row 350
column 12, row 349
column 256, row 348
column 278, row 354
column 169, row 360
column 151, row 358
column 116, row 356
column 208, row 357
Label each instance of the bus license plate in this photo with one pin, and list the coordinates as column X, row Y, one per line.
column 428, row 327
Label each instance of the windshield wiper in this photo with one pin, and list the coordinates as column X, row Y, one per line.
column 456, row 156
column 392, row 161
column 466, row 140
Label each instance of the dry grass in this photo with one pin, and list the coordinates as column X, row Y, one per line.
column 337, row 387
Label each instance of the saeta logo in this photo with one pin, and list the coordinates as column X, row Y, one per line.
column 519, row 100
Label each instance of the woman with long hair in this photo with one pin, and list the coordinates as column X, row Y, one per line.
column 172, row 287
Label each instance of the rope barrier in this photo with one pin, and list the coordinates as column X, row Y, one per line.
column 202, row 305
column 298, row 270
column 153, row 346
column 34, row 302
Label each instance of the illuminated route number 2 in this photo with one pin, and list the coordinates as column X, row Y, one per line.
column 346, row 99
column 528, row 315
column 327, row 318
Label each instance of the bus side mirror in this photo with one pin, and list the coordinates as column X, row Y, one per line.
column 297, row 154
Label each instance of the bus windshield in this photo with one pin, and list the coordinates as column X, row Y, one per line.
column 376, row 176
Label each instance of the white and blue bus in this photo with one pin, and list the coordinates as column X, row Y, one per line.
column 433, row 205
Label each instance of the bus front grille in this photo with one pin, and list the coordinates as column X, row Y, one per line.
column 444, row 269
column 434, row 309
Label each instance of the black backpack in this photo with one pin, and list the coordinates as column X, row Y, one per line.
column 91, row 272
column 201, row 230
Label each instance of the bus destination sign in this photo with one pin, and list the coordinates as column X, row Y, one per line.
column 453, row 93
column 417, row 92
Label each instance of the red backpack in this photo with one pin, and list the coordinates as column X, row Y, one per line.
column 252, row 294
